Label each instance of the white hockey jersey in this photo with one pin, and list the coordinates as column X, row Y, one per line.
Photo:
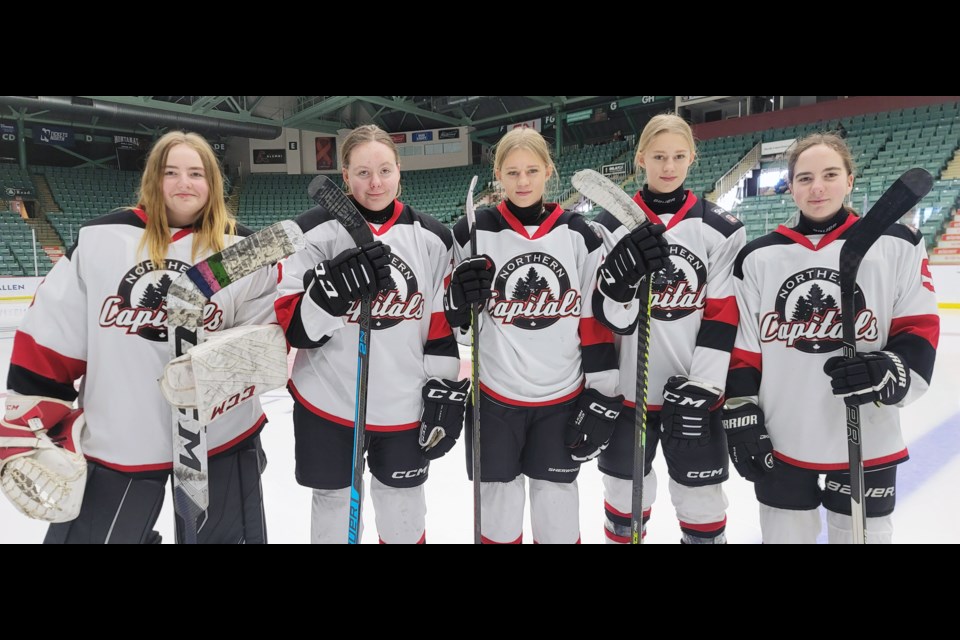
column 788, row 291
column 539, row 341
column 693, row 310
column 410, row 339
column 99, row 316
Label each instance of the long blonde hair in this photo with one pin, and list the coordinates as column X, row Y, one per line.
column 214, row 219
column 531, row 140
column 664, row 123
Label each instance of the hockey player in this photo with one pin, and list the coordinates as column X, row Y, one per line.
column 548, row 371
column 790, row 329
column 415, row 402
column 693, row 324
column 99, row 317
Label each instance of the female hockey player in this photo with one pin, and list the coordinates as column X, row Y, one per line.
column 415, row 404
column 548, row 370
column 99, row 316
column 790, row 329
column 693, row 324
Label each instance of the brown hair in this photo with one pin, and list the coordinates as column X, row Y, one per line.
column 361, row 135
column 831, row 140
column 214, row 218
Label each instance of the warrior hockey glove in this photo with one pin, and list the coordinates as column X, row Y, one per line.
column 747, row 440
column 685, row 416
column 878, row 376
column 588, row 431
column 642, row 251
column 353, row 274
column 469, row 284
column 442, row 417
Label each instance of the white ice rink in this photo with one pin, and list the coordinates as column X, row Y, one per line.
column 927, row 510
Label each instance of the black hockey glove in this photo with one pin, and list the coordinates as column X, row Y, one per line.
column 442, row 417
column 588, row 431
column 642, row 251
column 685, row 416
column 469, row 284
column 353, row 274
column 878, row 376
column 747, row 440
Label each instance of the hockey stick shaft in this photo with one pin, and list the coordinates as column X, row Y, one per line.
column 895, row 202
column 327, row 194
column 602, row 191
column 186, row 298
column 475, row 311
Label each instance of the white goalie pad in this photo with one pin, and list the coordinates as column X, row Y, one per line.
column 230, row 368
column 45, row 480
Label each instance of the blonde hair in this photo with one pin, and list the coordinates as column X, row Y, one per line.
column 362, row 135
column 830, row 140
column 529, row 139
column 664, row 123
column 214, row 219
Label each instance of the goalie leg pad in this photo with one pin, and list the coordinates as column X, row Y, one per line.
column 235, row 514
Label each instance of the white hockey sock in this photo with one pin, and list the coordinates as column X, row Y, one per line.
column 501, row 519
column 400, row 513
column 329, row 516
column 618, row 494
column 840, row 531
column 554, row 512
column 705, row 505
column 787, row 526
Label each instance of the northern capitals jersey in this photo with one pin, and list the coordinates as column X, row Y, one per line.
column 693, row 310
column 788, row 291
column 410, row 339
column 539, row 341
column 99, row 316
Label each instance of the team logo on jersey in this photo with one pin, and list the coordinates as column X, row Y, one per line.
column 533, row 291
column 679, row 288
column 807, row 315
column 401, row 300
column 139, row 306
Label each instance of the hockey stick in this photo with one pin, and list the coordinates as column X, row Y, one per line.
column 621, row 206
column 186, row 298
column 896, row 201
column 327, row 194
column 475, row 370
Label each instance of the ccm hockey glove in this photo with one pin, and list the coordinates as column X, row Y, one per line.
column 642, row 251
column 442, row 417
column 469, row 284
column 353, row 274
column 588, row 431
column 878, row 376
column 747, row 440
column 685, row 416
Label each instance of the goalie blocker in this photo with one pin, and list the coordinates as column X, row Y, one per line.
column 230, row 368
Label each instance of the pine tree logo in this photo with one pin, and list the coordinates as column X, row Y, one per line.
column 531, row 285
column 813, row 304
column 532, row 291
column 670, row 275
column 679, row 289
column 155, row 295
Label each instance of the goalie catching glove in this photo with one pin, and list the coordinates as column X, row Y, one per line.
column 878, row 376
column 442, row 419
column 42, row 469
column 588, row 431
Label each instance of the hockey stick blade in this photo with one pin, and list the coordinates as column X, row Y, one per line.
column 325, row 192
column 903, row 195
column 604, row 192
column 472, row 215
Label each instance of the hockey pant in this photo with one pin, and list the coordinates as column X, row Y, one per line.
column 121, row 508
column 699, row 500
